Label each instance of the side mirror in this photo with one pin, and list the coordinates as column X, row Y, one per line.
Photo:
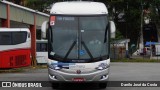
column 112, row 29
column 44, row 28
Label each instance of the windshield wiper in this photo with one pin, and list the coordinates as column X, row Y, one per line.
column 89, row 53
column 73, row 44
column 70, row 49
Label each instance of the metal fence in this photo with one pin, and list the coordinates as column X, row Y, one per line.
column 118, row 51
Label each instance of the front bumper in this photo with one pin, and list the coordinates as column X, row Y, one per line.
column 59, row 76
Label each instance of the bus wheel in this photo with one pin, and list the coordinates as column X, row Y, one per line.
column 55, row 85
column 102, row 85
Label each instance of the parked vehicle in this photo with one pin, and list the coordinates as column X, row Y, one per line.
column 15, row 45
column 42, row 51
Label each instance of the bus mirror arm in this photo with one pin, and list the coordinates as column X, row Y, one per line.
column 74, row 45
column 105, row 36
column 112, row 29
column 44, row 28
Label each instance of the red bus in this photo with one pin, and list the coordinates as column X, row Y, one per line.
column 15, row 45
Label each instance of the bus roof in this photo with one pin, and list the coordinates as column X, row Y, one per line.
column 79, row 8
column 14, row 29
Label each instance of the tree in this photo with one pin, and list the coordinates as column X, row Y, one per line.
column 40, row 5
column 132, row 13
column 20, row 2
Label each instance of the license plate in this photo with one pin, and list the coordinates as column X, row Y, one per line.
column 78, row 79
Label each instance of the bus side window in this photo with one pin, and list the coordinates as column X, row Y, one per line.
column 43, row 47
column 19, row 37
column 46, row 46
column 5, row 38
column 38, row 47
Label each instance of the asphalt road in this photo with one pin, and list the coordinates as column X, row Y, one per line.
column 118, row 72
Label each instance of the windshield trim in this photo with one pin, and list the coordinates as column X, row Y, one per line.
column 63, row 59
column 59, row 58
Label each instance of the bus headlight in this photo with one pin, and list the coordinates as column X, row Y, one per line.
column 102, row 66
column 53, row 65
column 56, row 68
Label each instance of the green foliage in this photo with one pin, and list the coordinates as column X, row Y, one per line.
column 118, row 36
column 133, row 9
column 40, row 5
column 129, row 29
column 36, row 4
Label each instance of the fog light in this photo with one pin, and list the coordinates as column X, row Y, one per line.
column 103, row 77
column 54, row 77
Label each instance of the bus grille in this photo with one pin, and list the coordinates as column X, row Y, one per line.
column 20, row 60
column 11, row 61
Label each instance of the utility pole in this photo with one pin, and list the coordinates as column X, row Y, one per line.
column 126, row 21
column 127, row 32
column 141, row 45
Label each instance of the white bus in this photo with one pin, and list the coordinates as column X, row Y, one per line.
column 15, row 45
column 42, row 51
column 78, row 38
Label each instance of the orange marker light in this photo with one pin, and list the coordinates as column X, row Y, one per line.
column 52, row 20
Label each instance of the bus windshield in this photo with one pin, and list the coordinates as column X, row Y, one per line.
column 78, row 38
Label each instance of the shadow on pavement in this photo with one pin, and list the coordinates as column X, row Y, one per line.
column 79, row 86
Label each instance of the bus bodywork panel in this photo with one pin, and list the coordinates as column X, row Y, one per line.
column 42, row 51
column 42, row 57
column 79, row 8
column 70, row 71
column 15, row 58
